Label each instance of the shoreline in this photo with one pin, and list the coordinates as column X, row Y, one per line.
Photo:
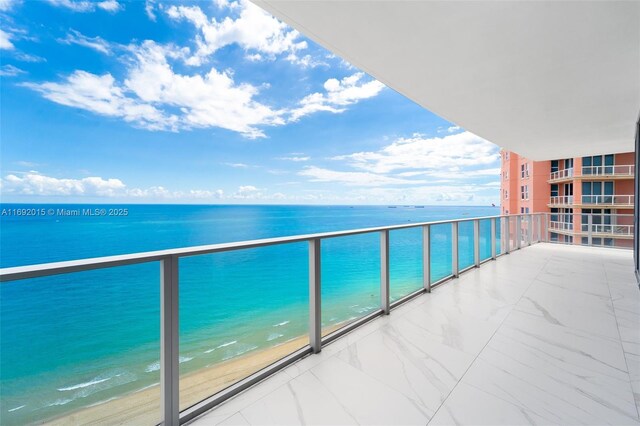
column 143, row 406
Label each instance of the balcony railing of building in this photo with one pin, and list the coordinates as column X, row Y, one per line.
column 484, row 239
column 592, row 200
column 561, row 200
column 615, row 171
column 611, row 200
column 561, row 174
column 586, row 172
column 560, row 226
column 589, row 229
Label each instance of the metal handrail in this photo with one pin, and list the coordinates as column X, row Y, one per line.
column 608, row 199
column 169, row 277
column 561, row 199
column 562, row 174
column 616, row 170
column 54, row 268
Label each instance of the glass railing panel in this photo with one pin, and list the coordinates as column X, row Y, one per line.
column 485, row 239
column 440, row 251
column 525, row 230
column 512, row 223
column 465, row 244
column 239, row 312
column 350, row 279
column 405, row 262
column 499, row 241
column 79, row 348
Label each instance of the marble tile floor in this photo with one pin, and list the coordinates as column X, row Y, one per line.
column 548, row 334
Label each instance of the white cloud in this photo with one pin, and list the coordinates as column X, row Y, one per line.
column 5, row 41
column 33, row 183
column 10, row 71
column 212, row 100
column 96, row 43
column 237, row 165
column 453, row 129
column 87, row 6
column 295, row 158
column 253, row 30
column 101, row 95
column 421, row 153
column 6, row 5
column 149, row 8
column 453, row 173
column 25, row 57
column 318, row 174
column 339, row 94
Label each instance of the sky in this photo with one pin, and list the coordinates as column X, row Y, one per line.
column 211, row 102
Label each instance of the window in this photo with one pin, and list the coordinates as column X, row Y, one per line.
column 554, row 190
column 597, row 192
column 506, row 194
column 554, row 237
column 521, row 210
column 524, row 170
column 526, row 209
column 506, row 155
column 568, row 163
column 599, row 217
column 555, row 165
column 506, row 175
column 598, row 165
column 524, row 192
column 554, row 214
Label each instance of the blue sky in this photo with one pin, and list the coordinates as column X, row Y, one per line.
column 211, row 102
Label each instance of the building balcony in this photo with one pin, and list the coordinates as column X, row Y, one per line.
column 624, row 232
column 604, row 201
column 618, row 172
column 561, row 201
column 592, row 201
column 530, row 335
column 545, row 335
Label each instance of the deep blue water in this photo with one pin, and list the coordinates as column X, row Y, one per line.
column 73, row 340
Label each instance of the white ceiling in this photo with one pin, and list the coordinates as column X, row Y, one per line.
column 544, row 79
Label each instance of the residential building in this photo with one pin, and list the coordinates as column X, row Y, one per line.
column 574, row 191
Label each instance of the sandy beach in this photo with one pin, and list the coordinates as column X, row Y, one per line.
column 143, row 407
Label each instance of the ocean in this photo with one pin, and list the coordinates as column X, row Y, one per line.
column 72, row 341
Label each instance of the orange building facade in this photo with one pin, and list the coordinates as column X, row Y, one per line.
column 590, row 200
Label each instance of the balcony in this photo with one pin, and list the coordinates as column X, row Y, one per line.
column 592, row 201
column 505, row 324
column 618, row 172
column 604, row 201
column 546, row 335
column 610, row 226
column 561, row 175
column 561, row 201
column 608, row 172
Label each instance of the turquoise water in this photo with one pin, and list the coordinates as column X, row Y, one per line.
column 75, row 340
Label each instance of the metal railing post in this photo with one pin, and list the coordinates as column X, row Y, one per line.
column 506, row 223
column 315, row 296
column 518, row 232
column 589, row 229
column 529, row 229
column 426, row 258
column 169, row 345
column 476, row 243
column 454, row 250
column 384, row 271
column 493, row 238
